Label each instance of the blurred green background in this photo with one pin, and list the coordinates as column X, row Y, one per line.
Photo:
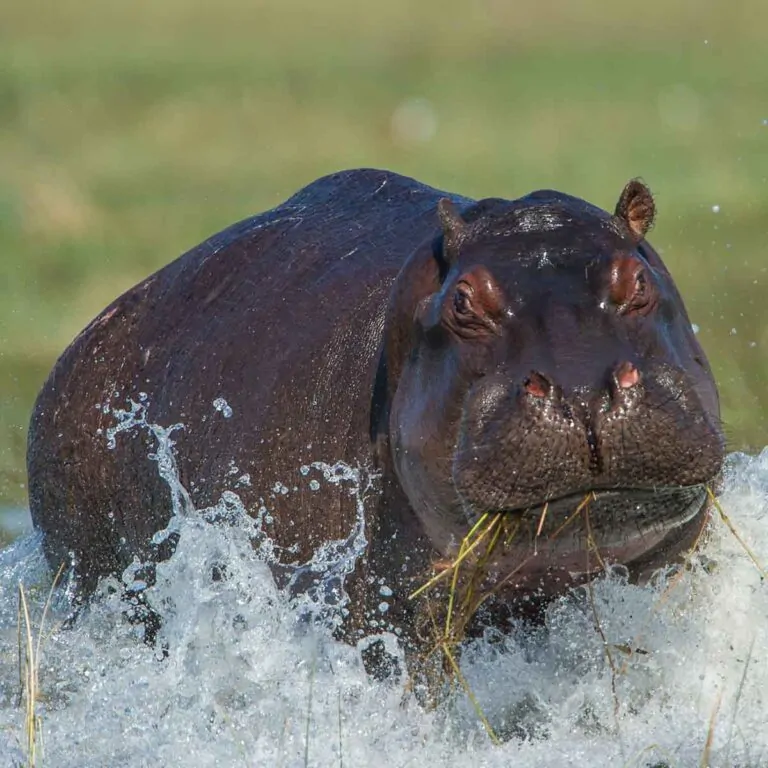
column 130, row 131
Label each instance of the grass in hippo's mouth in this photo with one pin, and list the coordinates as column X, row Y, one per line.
column 494, row 528
column 453, row 595
column 464, row 594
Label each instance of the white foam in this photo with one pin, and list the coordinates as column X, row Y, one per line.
column 248, row 680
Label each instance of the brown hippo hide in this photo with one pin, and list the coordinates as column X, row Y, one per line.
column 488, row 356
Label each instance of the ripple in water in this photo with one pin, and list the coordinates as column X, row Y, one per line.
column 248, row 680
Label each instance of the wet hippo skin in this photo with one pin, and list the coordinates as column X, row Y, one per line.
column 471, row 356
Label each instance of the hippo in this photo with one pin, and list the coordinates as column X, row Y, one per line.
column 495, row 356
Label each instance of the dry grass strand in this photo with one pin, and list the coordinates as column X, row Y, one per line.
column 30, row 652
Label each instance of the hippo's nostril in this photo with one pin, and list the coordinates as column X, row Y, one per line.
column 625, row 388
column 626, row 375
column 537, row 384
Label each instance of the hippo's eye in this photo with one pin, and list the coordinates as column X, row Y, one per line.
column 641, row 287
column 633, row 290
column 642, row 291
column 462, row 303
column 471, row 311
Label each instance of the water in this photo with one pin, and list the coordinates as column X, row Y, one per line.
column 13, row 523
column 248, row 678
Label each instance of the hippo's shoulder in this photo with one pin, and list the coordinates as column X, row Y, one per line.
column 360, row 199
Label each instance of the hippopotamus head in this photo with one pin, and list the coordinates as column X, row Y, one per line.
column 538, row 354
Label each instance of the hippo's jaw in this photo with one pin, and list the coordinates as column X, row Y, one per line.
column 612, row 515
column 566, row 540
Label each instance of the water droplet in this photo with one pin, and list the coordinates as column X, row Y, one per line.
column 314, row 485
column 222, row 406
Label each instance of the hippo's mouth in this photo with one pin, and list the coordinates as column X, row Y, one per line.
column 568, row 538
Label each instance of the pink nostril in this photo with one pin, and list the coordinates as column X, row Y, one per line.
column 627, row 375
column 537, row 385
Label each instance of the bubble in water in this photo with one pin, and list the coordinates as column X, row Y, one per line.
column 715, row 209
column 414, row 121
column 679, row 107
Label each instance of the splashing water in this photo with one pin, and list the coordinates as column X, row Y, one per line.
column 247, row 680
column 223, row 407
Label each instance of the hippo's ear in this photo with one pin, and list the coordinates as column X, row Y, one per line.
column 636, row 208
column 454, row 229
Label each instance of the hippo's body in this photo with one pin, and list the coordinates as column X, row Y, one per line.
column 508, row 359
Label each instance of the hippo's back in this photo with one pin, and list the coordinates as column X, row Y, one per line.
column 262, row 342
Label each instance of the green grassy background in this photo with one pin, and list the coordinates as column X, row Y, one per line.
column 129, row 131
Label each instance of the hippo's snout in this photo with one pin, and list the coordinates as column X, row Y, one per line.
column 523, row 443
column 620, row 391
